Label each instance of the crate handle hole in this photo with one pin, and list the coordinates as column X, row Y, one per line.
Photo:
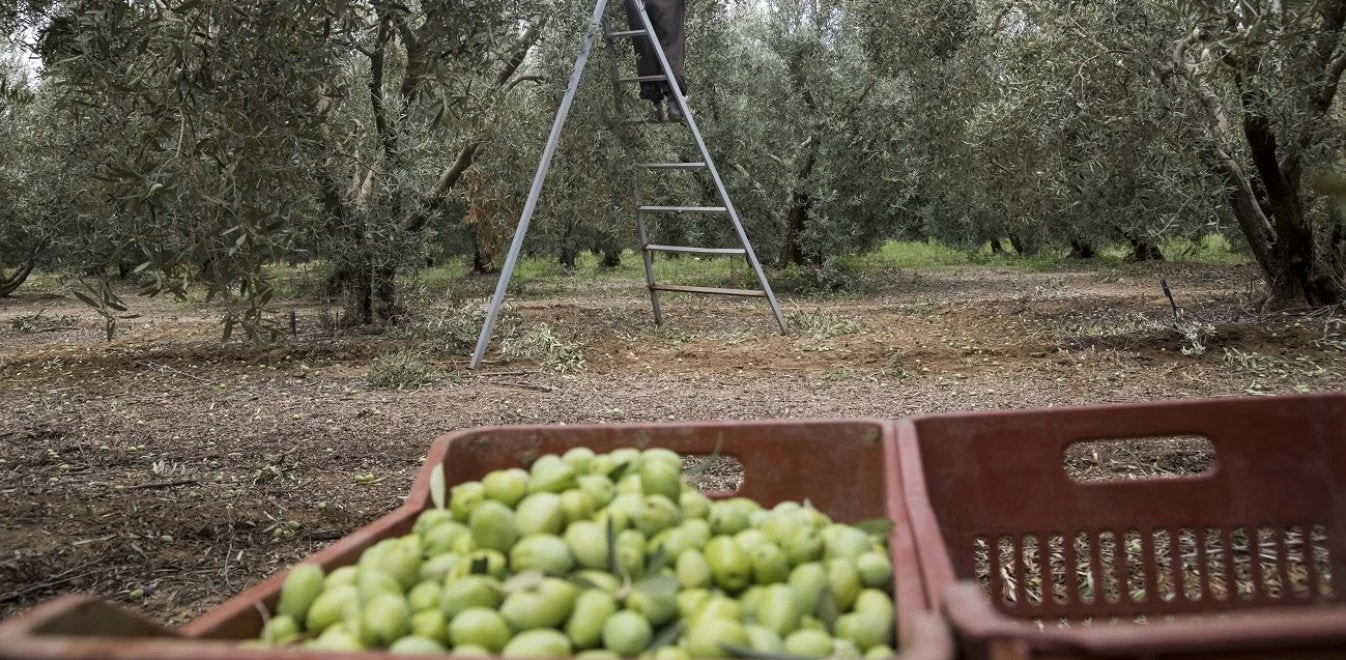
column 723, row 476
column 1143, row 458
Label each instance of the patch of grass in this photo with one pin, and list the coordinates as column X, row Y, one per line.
column 822, row 324
column 541, row 344
column 910, row 254
column 400, row 370
column 1212, row 249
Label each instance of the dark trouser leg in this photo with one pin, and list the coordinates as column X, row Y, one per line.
column 667, row 17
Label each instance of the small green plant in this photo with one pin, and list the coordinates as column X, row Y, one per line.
column 541, row 344
column 897, row 367
column 400, row 370
column 1194, row 334
column 822, row 324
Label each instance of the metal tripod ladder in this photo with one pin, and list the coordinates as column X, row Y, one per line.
column 600, row 21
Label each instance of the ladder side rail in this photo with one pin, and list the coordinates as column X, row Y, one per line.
column 530, row 205
column 710, row 163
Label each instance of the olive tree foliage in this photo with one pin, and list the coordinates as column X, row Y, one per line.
column 806, row 129
column 795, row 119
column 20, row 244
column 228, row 136
column 588, row 197
column 1265, row 75
column 1043, row 122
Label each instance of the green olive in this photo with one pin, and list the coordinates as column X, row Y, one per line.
column 540, row 513
column 592, row 609
column 506, row 486
column 494, row 526
column 706, row 634
column 300, row 588
column 539, row 643
column 464, row 498
column 814, row 643
column 729, row 564
column 415, row 644
column 579, row 458
column 541, row 552
column 627, row 633
column 479, row 626
column 470, row 591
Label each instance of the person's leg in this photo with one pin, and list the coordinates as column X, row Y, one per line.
column 667, row 17
column 647, row 62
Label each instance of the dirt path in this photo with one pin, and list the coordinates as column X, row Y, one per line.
column 168, row 462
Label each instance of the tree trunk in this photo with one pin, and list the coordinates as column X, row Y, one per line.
column 1268, row 203
column 1143, row 250
column 568, row 255
column 612, row 257
column 1082, row 250
column 10, row 283
column 996, row 247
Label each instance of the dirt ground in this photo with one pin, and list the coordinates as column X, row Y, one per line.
column 168, row 462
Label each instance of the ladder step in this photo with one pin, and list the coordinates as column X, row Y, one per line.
column 674, row 166
column 681, row 209
column 695, row 250
column 747, row 293
column 635, row 79
column 625, row 33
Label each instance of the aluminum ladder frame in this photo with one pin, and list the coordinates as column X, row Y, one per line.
column 597, row 22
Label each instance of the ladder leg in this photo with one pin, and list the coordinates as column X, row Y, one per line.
column 710, row 166
column 612, row 67
column 536, row 190
column 649, row 267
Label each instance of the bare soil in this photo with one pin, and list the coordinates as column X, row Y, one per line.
column 167, row 461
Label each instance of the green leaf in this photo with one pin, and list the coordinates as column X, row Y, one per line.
column 658, row 559
column 524, row 581
column 659, row 585
column 710, row 460
column 614, row 566
column 437, row 486
column 828, row 611
column 667, row 636
column 86, row 299
column 877, row 526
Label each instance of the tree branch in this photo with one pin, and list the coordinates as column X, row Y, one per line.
column 1252, row 220
column 447, row 179
column 521, row 48
column 376, row 90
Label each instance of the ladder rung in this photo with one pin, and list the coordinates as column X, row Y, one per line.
column 747, row 293
column 674, row 166
column 681, row 209
column 695, row 250
column 636, row 79
column 626, row 33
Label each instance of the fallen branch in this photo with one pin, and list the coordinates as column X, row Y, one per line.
column 526, row 386
column 164, row 484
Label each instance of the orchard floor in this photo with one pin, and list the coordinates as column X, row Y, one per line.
column 164, row 460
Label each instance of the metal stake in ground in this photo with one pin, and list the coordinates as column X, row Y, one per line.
column 536, row 190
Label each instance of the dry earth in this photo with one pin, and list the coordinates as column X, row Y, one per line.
column 165, row 461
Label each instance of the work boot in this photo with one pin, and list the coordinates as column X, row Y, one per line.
column 674, row 112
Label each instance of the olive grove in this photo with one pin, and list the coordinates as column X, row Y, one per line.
column 195, row 142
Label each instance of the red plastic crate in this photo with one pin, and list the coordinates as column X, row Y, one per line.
column 840, row 466
column 1022, row 558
